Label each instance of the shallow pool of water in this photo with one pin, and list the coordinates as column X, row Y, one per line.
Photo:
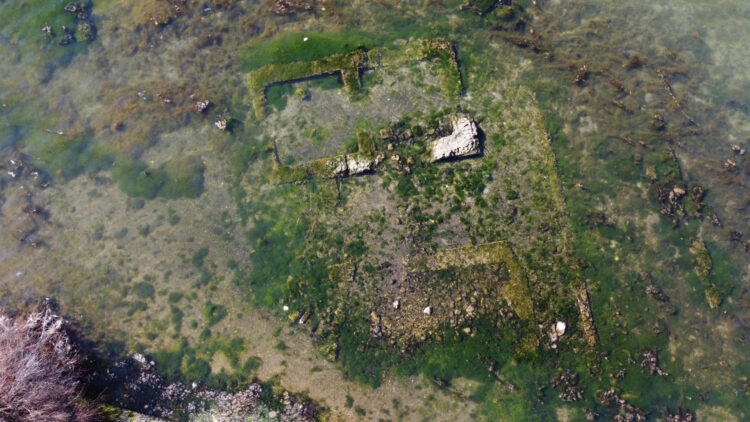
column 140, row 189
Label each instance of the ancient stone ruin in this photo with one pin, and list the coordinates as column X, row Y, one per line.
column 463, row 142
column 350, row 65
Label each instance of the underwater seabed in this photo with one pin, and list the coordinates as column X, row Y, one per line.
column 608, row 166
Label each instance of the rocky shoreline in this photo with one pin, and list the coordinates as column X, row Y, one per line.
column 135, row 383
column 48, row 373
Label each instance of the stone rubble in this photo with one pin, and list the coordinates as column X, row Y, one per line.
column 135, row 384
column 627, row 412
column 202, row 105
column 681, row 415
column 651, row 362
column 567, row 381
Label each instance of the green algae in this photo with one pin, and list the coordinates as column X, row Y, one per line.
column 701, row 259
column 175, row 297
column 347, row 64
column 214, row 313
column 136, row 179
column 144, row 290
column 470, row 356
column 176, row 317
column 172, row 217
column 703, row 265
column 276, row 95
column 184, row 178
column 279, row 244
column 293, row 47
column 45, row 35
column 170, row 362
column 196, row 369
column 66, row 156
column 24, row 21
column 180, row 178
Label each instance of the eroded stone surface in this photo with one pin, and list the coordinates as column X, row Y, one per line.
column 358, row 164
column 463, row 142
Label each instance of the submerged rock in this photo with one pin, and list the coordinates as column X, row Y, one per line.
column 338, row 166
column 680, row 415
column 86, row 31
column 463, row 142
column 73, row 7
column 591, row 416
column 567, row 381
column 481, row 7
column 67, row 36
column 697, row 193
column 288, row 7
column 651, row 363
column 79, row 10
column 676, row 193
column 627, row 412
column 202, row 105
column 136, row 384
column 560, row 327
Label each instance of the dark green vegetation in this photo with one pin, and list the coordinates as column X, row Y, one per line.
column 214, row 313
column 192, row 363
column 292, row 47
column 59, row 32
column 144, row 290
column 69, row 156
column 180, row 178
column 199, row 257
column 482, row 6
column 65, row 157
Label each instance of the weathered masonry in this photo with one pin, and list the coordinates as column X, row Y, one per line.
column 350, row 65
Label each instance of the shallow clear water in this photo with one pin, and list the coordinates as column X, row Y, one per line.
column 163, row 234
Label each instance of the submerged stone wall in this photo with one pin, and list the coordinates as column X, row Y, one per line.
column 349, row 65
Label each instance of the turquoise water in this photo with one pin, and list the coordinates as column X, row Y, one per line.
column 163, row 234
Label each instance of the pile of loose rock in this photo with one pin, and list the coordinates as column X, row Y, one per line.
column 651, row 362
column 628, row 412
column 568, row 382
column 135, row 384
